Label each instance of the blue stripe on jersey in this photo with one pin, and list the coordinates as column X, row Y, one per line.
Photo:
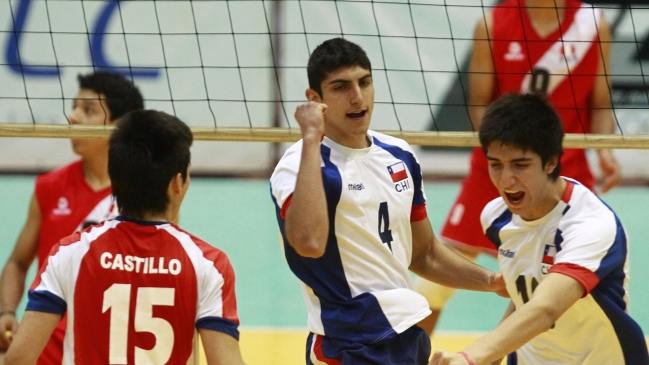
column 558, row 239
column 628, row 331
column 44, row 301
column 494, row 230
column 219, row 324
column 512, row 359
column 412, row 164
column 358, row 319
column 611, row 269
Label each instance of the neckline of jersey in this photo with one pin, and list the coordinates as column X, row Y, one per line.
column 351, row 153
column 122, row 218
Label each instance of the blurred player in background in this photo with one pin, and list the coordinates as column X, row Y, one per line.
column 69, row 198
column 527, row 46
column 136, row 287
column 562, row 251
column 351, row 209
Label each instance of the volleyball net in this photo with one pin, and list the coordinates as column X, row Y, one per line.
column 236, row 70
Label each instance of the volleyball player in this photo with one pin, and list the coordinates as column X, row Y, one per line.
column 523, row 46
column 136, row 287
column 562, row 251
column 351, row 209
column 69, row 198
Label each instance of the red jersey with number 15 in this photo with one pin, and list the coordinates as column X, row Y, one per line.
column 134, row 292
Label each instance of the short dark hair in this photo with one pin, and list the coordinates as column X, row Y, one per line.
column 525, row 121
column 146, row 150
column 122, row 96
column 332, row 55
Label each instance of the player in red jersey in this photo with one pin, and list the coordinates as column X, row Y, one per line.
column 69, row 198
column 556, row 47
column 136, row 288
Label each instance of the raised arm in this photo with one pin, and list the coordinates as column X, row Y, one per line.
column 12, row 281
column 435, row 262
column 307, row 221
column 556, row 293
column 602, row 120
column 220, row 348
column 482, row 77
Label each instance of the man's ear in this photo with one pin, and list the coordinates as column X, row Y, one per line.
column 552, row 164
column 176, row 184
column 312, row 95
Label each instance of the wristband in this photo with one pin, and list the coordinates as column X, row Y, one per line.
column 7, row 312
column 467, row 357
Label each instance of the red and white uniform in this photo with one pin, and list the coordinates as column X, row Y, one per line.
column 67, row 205
column 564, row 64
column 134, row 292
column 581, row 238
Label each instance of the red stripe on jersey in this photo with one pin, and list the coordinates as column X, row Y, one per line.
column 287, row 203
column 73, row 238
column 224, row 267
column 317, row 350
column 587, row 278
column 568, row 192
column 418, row 212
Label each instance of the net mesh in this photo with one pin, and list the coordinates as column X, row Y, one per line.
column 240, row 65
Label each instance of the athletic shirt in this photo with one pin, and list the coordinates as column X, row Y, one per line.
column 525, row 61
column 360, row 289
column 68, row 204
column 123, row 274
column 582, row 238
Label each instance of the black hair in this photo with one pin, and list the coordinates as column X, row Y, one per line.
column 525, row 121
column 332, row 55
column 146, row 150
column 122, row 96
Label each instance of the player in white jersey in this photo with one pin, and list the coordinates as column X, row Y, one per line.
column 351, row 209
column 563, row 252
column 136, row 288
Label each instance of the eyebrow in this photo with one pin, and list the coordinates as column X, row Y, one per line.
column 347, row 81
column 522, row 159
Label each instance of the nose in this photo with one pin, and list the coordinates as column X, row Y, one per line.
column 507, row 177
column 73, row 117
column 356, row 95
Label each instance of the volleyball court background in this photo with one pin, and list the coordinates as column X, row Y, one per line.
column 230, row 81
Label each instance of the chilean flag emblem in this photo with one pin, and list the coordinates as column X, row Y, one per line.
column 548, row 254
column 397, row 172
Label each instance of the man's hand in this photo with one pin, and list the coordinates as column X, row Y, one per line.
column 8, row 326
column 448, row 358
column 611, row 171
column 310, row 117
column 497, row 283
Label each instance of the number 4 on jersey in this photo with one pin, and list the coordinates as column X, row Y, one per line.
column 384, row 225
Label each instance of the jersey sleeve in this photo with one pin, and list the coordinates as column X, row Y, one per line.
column 217, row 304
column 590, row 248
column 282, row 182
column 48, row 291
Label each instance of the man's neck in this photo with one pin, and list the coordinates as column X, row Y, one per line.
column 545, row 15
column 95, row 172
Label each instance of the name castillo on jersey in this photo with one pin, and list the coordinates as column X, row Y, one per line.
column 144, row 265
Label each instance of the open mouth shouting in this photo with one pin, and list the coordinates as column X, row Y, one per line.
column 357, row 115
column 514, row 197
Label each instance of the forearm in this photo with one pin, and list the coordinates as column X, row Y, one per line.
column 447, row 268
column 12, row 286
column 526, row 323
column 307, row 221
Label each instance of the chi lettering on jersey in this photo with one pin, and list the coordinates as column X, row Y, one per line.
column 145, row 265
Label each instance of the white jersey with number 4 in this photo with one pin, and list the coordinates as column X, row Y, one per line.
column 582, row 238
column 135, row 292
column 360, row 289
